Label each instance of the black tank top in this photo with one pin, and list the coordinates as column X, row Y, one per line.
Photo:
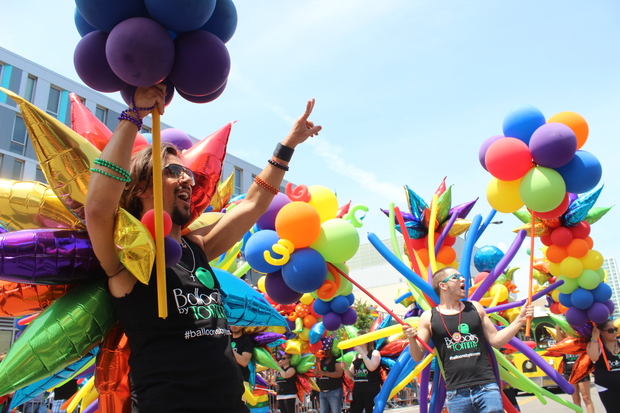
column 286, row 386
column 183, row 363
column 329, row 383
column 365, row 380
column 608, row 379
column 462, row 349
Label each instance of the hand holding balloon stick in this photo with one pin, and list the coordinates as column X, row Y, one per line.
column 372, row 297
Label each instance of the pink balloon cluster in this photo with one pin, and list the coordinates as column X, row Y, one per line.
column 537, row 162
column 131, row 43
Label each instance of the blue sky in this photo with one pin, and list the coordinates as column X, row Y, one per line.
column 406, row 90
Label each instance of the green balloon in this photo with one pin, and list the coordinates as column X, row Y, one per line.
column 570, row 285
column 306, row 363
column 263, row 357
column 589, row 279
column 338, row 240
column 62, row 334
column 542, row 189
column 602, row 274
column 347, row 357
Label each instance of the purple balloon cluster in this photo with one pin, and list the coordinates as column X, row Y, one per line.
column 130, row 43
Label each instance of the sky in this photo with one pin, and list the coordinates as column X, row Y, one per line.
column 406, row 91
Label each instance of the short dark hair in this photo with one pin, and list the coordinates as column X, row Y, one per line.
column 438, row 277
column 141, row 170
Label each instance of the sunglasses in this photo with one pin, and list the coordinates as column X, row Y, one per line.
column 176, row 171
column 456, row 276
column 611, row 330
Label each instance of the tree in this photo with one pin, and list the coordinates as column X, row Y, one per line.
column 364, row 315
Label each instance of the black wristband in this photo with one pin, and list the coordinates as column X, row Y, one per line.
column 283, row 152
column 278, row 165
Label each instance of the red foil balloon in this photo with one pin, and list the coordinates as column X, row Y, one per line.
column 17, row 299
column 112, row 373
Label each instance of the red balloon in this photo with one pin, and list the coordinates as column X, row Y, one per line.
column 561, row 236
column 556, row 212
column 449, row 241
column 148, row 220
column 508, row 159
column 480, row 276
column 316, row 347
column 546, row 240
column 112, row 373
column 581, row 230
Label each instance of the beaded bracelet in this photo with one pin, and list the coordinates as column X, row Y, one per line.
column 112, row 166
column 266, row 185
column 99, row 171
column 125, row 116
column 278, row 165
column 283, row 152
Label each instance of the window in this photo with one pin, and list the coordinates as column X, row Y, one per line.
column 18, row 170
column 40, row 176
column 101, row 114
column 31, row 82
column 53, row 102
column 145, row 129
column 238, row 181
column 19, row 137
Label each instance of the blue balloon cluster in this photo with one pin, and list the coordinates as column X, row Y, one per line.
column 131, row 43
column 336, row 312
column 487, row 257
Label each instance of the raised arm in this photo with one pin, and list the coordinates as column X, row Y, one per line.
column 593, row 347
column 104, row 191
column 222, row 235
column 499, row 338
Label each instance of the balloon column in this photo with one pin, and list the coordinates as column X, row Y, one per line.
column 538, row 162
column 133, row 43
column 298, row 236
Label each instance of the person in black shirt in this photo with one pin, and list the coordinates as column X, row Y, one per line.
column 460, row 331
column 606, row 363
column 364, row 371
column 329, row 379
column 243, row 347
column 285, row 382
column 182, row 363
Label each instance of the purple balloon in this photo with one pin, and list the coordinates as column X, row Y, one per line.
column 576, row 316
column 266, row 337
column 268, row 219
column 349, row 317
column 181, row 15
column 172, row 251
column 332, row 321
column 92, row 408
column 598, row 313
column 206, row 98
column 584, row 331
column 105, row 14
column 484, row 147
column 610, row 305
column 140, row 51
column 201, row 65
column 278, row 291
column 92, row 65
column 223, row 21
column 128, row 91
column 553, row 145
column 582, row 173
column 177, row 137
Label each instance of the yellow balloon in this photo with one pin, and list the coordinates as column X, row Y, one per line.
column 504, row 196
column 305, row 334
column 571, row 267
column 278, row 329
column 500, row 292
column 554, row 269
column 555, row 295
column 593, row 260
column 306, row 299
column 261, row 283
column 324, row 201
column 377, row 334
column 137, row 248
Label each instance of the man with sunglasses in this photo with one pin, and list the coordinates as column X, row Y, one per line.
column 461, row 331
column 183, row 363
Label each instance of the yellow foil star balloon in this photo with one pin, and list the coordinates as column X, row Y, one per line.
column 65, row 157
column 136, row 248
column 29, row 205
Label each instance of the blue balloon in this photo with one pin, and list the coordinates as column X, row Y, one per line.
column 316, row 332
column 105, row 14
column 582, row 298
column 339, row 304
column 257, row 244
column 148, row 137
column 321, row 307
column 82, row 26
column 582, row 173
column 350, row 298
column 244, row 306
column 223, row 21
column 181, row 15
column 565, row 300
column 487, row 257
column 522, row 121
column 601, row 293
column 305, row 271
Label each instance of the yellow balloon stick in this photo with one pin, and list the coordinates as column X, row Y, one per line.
column 432, row 259
column 376, row 335
column 86, row 388
column 160, row 259
column 411, row 375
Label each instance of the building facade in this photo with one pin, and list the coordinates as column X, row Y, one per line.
column 613, row 280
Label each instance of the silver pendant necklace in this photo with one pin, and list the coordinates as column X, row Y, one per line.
column 178, row 264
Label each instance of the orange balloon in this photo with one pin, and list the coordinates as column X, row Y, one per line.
column 298, row 222
column 446, row 255
column 423, row 254
column 574, row 121
column 112, row 373
column 24, row 299
column 578, row 248
column 590, row 242
column 309, row 321
column 556, row 253
column 562, row 308
column 302, row 310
